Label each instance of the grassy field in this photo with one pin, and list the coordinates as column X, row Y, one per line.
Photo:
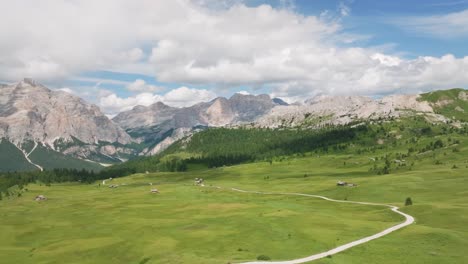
column 183, row 224
column 189, row 224
column 91, row 223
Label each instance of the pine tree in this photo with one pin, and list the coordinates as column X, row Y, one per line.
column 408, row 201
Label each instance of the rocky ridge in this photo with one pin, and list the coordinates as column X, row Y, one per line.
column 61, row 121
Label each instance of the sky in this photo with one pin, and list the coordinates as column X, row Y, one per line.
column 119, row 53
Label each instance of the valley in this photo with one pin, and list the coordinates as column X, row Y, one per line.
column 310, row 180
column 234, row 132
column 188, row 223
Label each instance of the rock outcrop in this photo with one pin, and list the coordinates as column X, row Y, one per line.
column 338, row 110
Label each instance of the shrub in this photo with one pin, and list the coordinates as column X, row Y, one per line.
column 263, row 257
column 408, row 201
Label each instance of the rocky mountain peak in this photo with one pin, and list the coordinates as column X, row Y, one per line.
column 30, row 111
column 279, row 101
column 159, row 106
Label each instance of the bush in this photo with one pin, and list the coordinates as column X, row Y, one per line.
column 408, row 201
column 263, row 257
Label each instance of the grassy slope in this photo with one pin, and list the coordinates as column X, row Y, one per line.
column 50, row 159
column 453, row 106
column 12, row 159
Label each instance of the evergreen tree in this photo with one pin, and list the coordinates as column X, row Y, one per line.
column 408, row 201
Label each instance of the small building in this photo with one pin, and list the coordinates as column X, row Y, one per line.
column 40, row 198
column 341, row 183
column 199, row 181
column 346, row 184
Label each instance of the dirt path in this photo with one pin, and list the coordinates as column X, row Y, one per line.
column 408, row 221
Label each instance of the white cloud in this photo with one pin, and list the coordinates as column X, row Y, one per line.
column 184, row 96
column 140, row 85
column 344, row 9
column 112, row 104
column 452, row 25
column 100, row 80
column 179, row 97
column 195, row 42
column 67, row 90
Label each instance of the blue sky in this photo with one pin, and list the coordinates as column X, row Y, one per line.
column 119, row 54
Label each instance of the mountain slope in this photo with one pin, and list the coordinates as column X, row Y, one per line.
column 451, row 103
column 31, row 113
column 12, row 158
column 339, row 110
column 151, row 125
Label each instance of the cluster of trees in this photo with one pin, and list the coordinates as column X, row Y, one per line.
column 22, row 179
column 223, row 146
column 433, row 146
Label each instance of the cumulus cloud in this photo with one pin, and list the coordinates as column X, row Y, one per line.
column 113, row 104
column 179, row 97
column 140, row 85
column 195, row 42
column 184, row 96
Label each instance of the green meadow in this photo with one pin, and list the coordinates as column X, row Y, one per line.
column 89, row 222
column 184, row 223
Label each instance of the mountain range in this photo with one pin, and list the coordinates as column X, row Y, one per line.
column 43, row 129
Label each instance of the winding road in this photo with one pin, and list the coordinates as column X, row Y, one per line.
column 408, row 221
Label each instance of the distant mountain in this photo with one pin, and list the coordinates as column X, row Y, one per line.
column 279, row 101
column 339, row 110
column 45, row 129
column 153, row 124
column 34, row 118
